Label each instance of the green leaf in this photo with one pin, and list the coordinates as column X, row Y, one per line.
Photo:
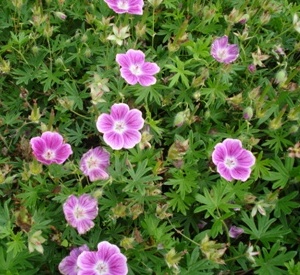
column 17, row 244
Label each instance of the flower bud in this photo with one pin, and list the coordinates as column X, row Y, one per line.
column 127, row 243
column 35, row 113
column 4, row 66
column 248, row 113
column 155, row 3
column 294, row 129
column 60, row 15
column 294, row 114
column 280, row 77
column 265, row 17
column 251, row 68
column 181, row 118
column 140, row 29
column 35, row 167
column 119, row 210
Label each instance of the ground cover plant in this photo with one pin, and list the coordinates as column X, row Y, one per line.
column 149, row 137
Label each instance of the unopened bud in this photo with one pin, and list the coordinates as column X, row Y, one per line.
column 294, row 114
column 155, row 3
column 248, row 113
column 35, row 113
column 251, row 68
column 294, row 129
column 280, row 77
column 60, row 15
column 35, row 167
column 127, row 243
column 181, row 118
column 140, row 29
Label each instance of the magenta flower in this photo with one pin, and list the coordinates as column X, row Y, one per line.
column 134, row 69
column 94, row 164
column 235, row 231
column 68, row 265
column 108, row 260
column 50, row 148
column 233, row 162
column 224, row 52
column 80, row 212
column 126, row 6
column 121, row 127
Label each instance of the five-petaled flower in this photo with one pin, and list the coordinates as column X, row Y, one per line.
column 94, row 164
column 224, row 52
column 108, row 260
column 80, row 212
column 50, row 148
column 121, row 127
column 134, row 69
column 126, row 6
column 68, row 265
column 232, row 160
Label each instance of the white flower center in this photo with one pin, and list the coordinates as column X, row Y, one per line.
column 230, row 162
column 92, row 162
column 79, row 212
column 135, row 69
column 49, row 154
column 222, row 53
column 101, row 268
column 123, row 5
column 120, row 126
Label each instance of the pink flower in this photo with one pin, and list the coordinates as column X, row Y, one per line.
column 94, row 164
column 80, row 212
column 50, row 148
column 235, row 231
column 68, row 265
column 126, row 6
column 121, row 127
column 233, row 162
column 108, row 260
column 134, row 69
column 224, row 52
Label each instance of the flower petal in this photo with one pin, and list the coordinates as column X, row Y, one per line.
column 240, row 173
column 233, row 147
column 106, row 250
column 219, row 153
column 104, row 123
column 114, row 140
column 117, row 264
column 129, row 77
column 98, row 174
column 52, row 140
column 119, row 111
column 245, row 158
column 63, row 152
column 38, row 145
column 149, row 68
column 84, row 226
column 131, row 138
column 224, row 171
column 87, row 260
column 123, row 60
column 134, row 119
column 136, row 57
column 220, row 42
column 146, row 80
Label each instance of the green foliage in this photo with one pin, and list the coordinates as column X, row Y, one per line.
column 60, row 73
